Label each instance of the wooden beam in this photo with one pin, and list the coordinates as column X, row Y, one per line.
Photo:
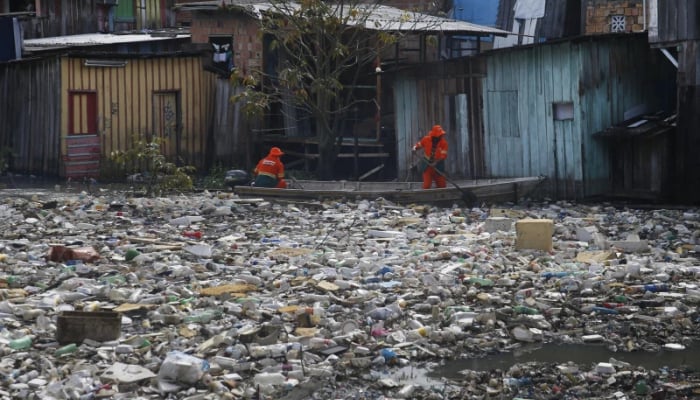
column 370, row 172
column 340, row 155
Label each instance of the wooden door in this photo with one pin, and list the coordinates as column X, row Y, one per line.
column 83, row 150
column 167, row 123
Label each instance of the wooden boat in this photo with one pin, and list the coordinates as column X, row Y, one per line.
column 470, row 191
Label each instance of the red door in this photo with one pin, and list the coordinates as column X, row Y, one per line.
column 82, row 158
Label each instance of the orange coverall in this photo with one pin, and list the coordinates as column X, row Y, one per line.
column 270, row 173
column 434, row 148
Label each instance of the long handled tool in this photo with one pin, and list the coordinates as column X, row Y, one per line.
column 468, row 197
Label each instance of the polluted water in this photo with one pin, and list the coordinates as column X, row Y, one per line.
column 104, row 294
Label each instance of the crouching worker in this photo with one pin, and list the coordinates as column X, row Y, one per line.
column 270, row 171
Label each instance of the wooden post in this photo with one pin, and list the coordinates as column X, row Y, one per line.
column 379, row 98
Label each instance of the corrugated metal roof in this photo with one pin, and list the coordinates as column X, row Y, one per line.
column 381, row 17
column 95, row 39
column 387, row 18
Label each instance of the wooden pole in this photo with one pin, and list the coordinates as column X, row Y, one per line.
column 379, row 98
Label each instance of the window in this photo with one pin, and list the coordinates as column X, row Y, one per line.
column 617, row 23
column 222, row 53
column 19, row 6
column 563, row 111
column 82, row 113
column 125, row 11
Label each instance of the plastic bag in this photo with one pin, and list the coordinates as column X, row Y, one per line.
column 182, row 368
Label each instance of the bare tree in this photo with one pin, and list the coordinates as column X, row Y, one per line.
column 323, row 49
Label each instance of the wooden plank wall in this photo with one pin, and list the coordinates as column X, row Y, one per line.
column 125, row 101
column 446, row 93
column 678, row 20
column 687, row 177
column 231, row 144
column 603, row 79
column 29, row 111
column 60, row 18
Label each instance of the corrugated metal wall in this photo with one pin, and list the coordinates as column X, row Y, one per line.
column 602, row 79
column 125, row 102
column 154, row 14
column 446, row 93
column 29, row 115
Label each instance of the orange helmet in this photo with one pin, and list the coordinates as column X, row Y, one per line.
column 437, row 131
column 276, row 152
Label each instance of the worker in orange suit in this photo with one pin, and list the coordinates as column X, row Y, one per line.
column 270, row 171
column 432, row 164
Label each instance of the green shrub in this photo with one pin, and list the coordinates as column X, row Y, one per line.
column 146, row 164
column 216, row 178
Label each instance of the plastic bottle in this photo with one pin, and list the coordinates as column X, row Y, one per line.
column 192, row 234
column 21, row 343
column 131, row 254
column 269, row 378
column 656, row 288
column 67, row 349
column 320, row 343
column 620, row 299
column 406, row 392
column 641, row 388
column 483, row 282
column 523, row 293
column 418, row 333
column 603, row 310
column 272, row 350
column 381, row 313
column 525, row 310
column 225, row 362
column 186, row 220
column 554, row 274
column 202, row 317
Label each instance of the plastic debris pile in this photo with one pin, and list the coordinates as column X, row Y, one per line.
column 210, row 296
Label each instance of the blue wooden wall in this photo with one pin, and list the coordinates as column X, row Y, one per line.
column 603, row 78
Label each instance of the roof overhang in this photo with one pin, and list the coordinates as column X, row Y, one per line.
column 646, row 126
column 97, row 39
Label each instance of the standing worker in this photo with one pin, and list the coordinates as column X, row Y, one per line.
column 432, row 165
column 270, row 171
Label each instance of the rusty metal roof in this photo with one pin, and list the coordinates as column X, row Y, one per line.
column 94, row 39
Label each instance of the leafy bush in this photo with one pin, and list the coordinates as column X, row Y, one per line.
column 216, row 178
column 145, row 163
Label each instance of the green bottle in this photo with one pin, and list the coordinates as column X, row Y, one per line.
column 67, row 349
column 483, row 282
column 202, row 317
column 21, row 343
column 620, row 299
column 131, row 254
column 525, row 310
column 641, row 387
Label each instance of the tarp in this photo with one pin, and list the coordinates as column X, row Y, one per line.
column 529, row 9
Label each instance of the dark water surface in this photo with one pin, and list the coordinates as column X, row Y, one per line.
column 581, row 354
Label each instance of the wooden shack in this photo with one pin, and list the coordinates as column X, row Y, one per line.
column 74, row 100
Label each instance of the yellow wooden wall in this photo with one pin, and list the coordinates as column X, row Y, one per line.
column 125, row 102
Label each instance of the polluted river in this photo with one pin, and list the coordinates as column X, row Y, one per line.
column 104, row 294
